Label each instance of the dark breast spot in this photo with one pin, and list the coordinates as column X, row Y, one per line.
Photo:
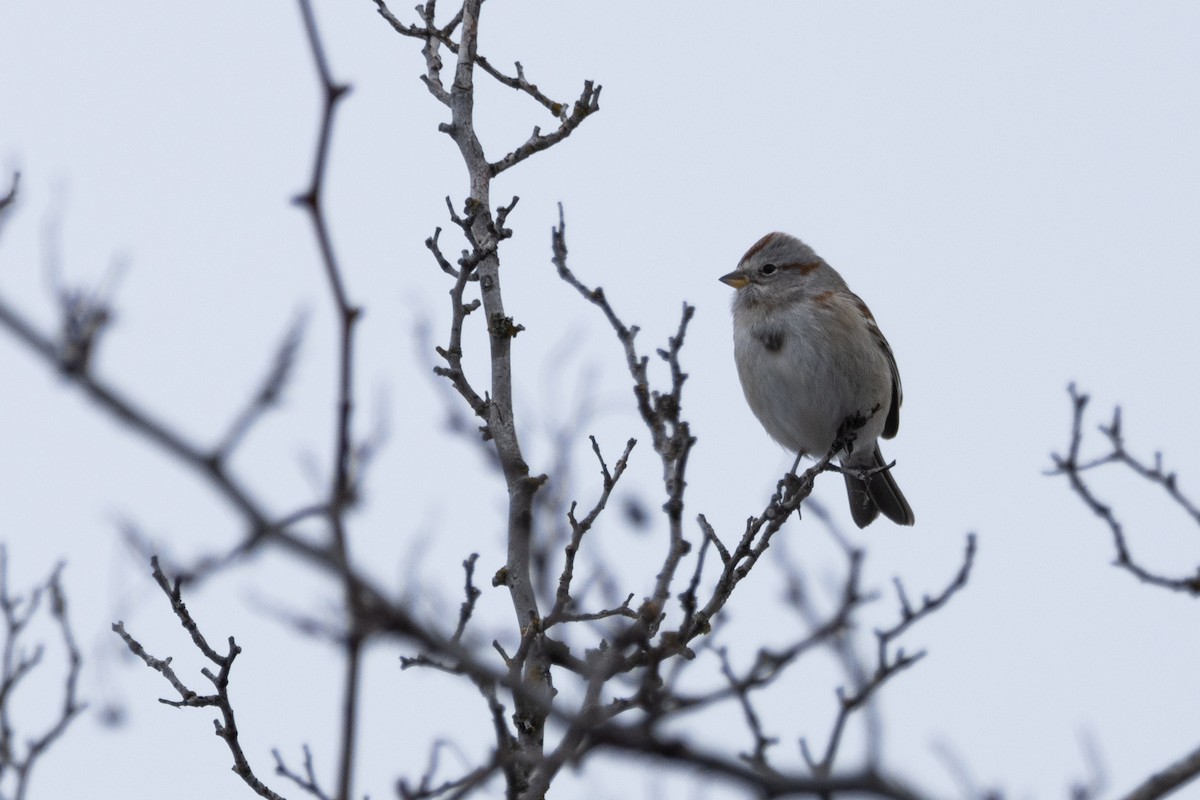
column 772, row 340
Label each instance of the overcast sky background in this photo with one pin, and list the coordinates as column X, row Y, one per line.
column 1013, row 189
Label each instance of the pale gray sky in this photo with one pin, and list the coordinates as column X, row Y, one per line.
column 1012, row 188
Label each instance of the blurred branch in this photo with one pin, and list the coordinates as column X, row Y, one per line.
column 910, row 616
column 842, row 639
column 17, row 664
column 206, row 463
column 343, row 491
column 9, row 200
column 1170, row 778
column 472, row 595
column 888, row 664
column 960, row 772
column 453, row 788
column 307, row 781
column 271, row 391
column 741, row 690
column 10, row 196
column 1074, row 467
column 768, row 784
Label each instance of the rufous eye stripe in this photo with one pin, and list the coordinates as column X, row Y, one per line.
column 802, row 268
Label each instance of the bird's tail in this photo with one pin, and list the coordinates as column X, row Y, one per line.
column 877, row 492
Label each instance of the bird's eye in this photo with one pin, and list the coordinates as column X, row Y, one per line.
column 767, row 269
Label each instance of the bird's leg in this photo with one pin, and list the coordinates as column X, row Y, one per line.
column 789, row 483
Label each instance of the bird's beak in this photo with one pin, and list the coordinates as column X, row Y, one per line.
column 735, row 279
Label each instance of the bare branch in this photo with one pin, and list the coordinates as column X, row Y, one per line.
column 1074, row 468
column 563, row 600
column 587, row 104
column 430, row 33
column 226, row 727
column 910, row 617
column 770, row 664
column 888, row 664
column 660, row 411
column 791, row 491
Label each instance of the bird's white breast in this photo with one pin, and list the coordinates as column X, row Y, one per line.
column 803, row 374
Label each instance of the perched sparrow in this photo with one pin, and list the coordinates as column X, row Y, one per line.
column 810, row 357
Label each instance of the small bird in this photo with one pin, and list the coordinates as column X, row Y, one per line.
column 810, row 358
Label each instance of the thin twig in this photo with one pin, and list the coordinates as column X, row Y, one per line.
column 1074, row 467
column 472, row 595
column 563, row 600
column 661, row 412
column 226, row 727
column 430, row 32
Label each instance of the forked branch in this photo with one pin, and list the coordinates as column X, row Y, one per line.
column 1075, row 467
